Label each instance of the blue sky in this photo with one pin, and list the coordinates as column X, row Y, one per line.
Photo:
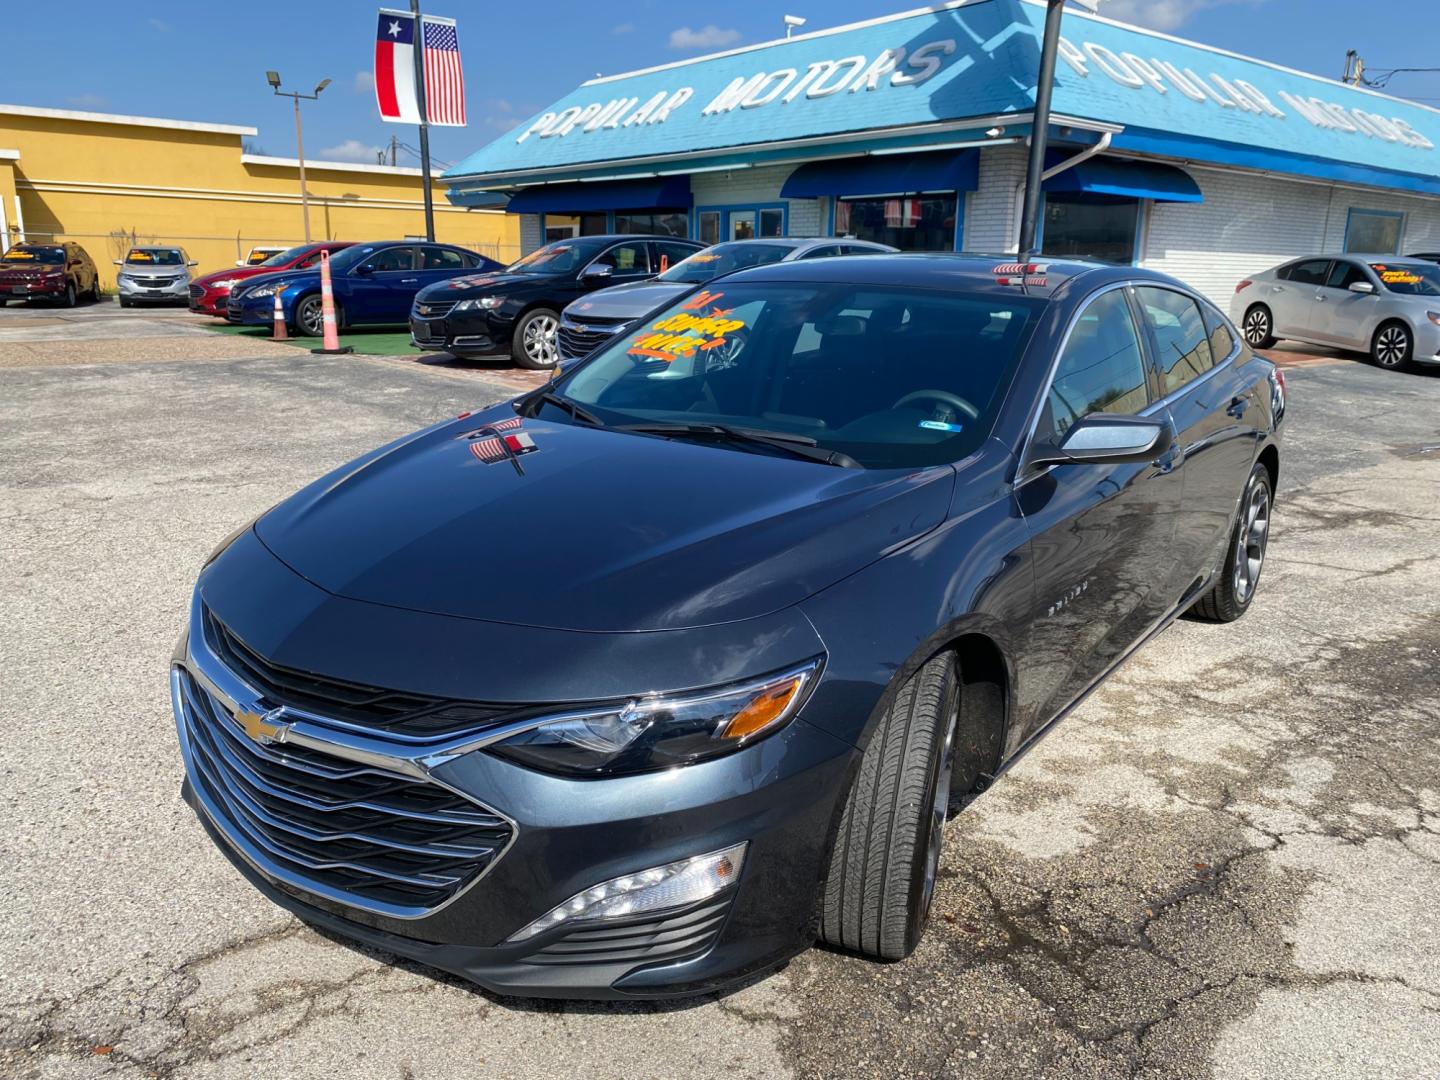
column 203, row 61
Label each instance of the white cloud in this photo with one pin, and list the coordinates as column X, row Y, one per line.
column 159, row 24
column 89, row 101
column 352, row 150
column 1160, row 14
column 708, row 37
column 502, row 114
column 364, row 82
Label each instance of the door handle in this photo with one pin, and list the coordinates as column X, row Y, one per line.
column 1237, row 407
column 1277, row 288
column 1319, row 299
column 408, row 280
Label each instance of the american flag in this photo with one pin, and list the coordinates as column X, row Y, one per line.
column 444, row 81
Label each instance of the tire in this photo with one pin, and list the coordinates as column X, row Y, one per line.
column 1392, row 346
column 124, row 302
column 533, row 344
column 69, row 299
column 1258, row 327
column 95, row 291
column 1230, row 597
column 881, row 877
column 310, row 317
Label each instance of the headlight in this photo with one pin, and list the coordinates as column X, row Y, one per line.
column 266, row 290
column 228, row 283
column 124, row 277
column 661, row 888
column 1433, row 316
column 663, row 730
column 482, row 303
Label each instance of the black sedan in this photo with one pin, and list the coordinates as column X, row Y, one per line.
column 518, row 309
column 813, row 593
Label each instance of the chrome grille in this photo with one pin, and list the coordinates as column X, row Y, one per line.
column 196, row 291
column 343, row 829
column 434, row 309
column 580, row 338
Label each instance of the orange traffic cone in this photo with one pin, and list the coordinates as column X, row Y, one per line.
column 280, row 332
column 327, row 311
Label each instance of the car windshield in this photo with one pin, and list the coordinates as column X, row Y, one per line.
column 1409, row 279
column 280, row 258
column 891, row 377
column 561, row 257
column 48, row 255
column 723, row 258
column 155, row 257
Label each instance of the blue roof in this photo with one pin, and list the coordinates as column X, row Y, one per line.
column 968, row 62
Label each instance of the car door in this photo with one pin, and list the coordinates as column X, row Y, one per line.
column 1100, row 534
column 1292, row 297
column 439, row 263
column 1345, row 316
column 380, row 288
column 1195, row 356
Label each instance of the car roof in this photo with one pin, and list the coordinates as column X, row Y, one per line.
column 951, row 272
column 1358, row 256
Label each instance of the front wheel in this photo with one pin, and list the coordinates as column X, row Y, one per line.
column 884, row 864
column 124, row 302
column 534, row 344
column 69, row 298
column 1258, row 328
column 310, row 316
column 1230, row 597
column 1392, row 346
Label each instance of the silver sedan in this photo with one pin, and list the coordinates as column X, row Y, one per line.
column 1385, row 305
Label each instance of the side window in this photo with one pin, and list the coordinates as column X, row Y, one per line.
column 633, row 258
column 396, row 258
column 1101, row 369
column 470, row 259
column 1182, row 344
column 1309, row 272
column 822, row 252
column 442, row 259
column 1344, row 274
column 1222, row 342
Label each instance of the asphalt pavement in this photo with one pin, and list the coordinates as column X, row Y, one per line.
column 1224, row 864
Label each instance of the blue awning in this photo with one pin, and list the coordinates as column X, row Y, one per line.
column 655, row 193
column 470, row 196
column 1127, row 179
column 887, row 174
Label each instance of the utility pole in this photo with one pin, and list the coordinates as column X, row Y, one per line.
column 419, row 51
column 273, row 77
column 1040, row 128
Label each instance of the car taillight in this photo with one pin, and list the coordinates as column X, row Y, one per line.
column 1278, row 394
column 1244, row 285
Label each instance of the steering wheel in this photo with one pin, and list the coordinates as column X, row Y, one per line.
column 942, row 396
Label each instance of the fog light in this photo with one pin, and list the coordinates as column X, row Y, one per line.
column 660, row 888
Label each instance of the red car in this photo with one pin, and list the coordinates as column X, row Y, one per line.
column 209, row 294
column 60, row 273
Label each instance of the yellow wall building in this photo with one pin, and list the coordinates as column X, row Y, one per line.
column 107, row 182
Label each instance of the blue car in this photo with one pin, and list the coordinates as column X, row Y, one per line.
column 374, row 284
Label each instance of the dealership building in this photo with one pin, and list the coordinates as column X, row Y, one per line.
column 912, row 130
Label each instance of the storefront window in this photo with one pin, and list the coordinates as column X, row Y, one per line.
column 709, row 226
column 1094, row 226
column 772, row 222
column 910, row 223
column 564, row 226
column 660, row 223
column 1374, row 232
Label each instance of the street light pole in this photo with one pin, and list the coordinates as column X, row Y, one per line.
column 1040, row 128
column 273, row 77
column 419, row 51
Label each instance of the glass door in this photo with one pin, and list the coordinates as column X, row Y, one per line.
column 742, row 224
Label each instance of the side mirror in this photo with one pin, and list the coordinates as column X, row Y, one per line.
column 193, row 262
column 239, row 262
column 599, row 272
column 1102, row 439
column 1361, row 287
column 364, row 269
column 121, row 262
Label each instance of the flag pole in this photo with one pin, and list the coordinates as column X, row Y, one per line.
column 419, row 51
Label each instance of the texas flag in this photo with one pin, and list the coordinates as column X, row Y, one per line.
column 395, row 70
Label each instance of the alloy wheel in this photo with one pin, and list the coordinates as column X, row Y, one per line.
column 939, row 812
column 1250, row 545
column 312, row 315
column 1257, row 327
column 540, row 343
column 1392, row 346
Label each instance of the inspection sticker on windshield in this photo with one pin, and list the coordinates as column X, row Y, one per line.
column 940, row 425
column 684, row 334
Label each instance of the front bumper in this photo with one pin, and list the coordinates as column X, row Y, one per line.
column 32, row 290
column 154, row 291
column 206, row 301
column 260, row 312
column 471, row 333
column 779, row 795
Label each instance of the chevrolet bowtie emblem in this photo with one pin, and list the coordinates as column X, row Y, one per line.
column 263, row 727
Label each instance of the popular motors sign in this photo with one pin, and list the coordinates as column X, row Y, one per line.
column 892, row 67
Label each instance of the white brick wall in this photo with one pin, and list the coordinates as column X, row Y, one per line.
column 530, row 236
column 991, row 221
column 808, row 217
column 1249, row 223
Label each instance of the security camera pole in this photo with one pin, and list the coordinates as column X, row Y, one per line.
column 273, row 77
column 424, row 121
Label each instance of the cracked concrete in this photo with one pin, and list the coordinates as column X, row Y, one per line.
column 1223, row 864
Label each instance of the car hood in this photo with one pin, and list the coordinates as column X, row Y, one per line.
column 627, row 301
column 481, row 283
column 236, row 273
column 603, row 531
column 278, row 277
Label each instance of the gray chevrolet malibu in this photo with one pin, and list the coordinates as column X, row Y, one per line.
column 594, row 319
column 1385, row 305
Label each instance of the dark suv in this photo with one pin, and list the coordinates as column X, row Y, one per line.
column 59, row 272
column 519, row 307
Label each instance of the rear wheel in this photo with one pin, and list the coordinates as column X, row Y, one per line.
column 1230, row 597
column 883, row 866
column 534, row 344
column 1258, row 327
column 1392, row 345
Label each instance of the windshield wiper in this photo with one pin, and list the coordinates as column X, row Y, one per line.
column 528, row 406
column 801, row 446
